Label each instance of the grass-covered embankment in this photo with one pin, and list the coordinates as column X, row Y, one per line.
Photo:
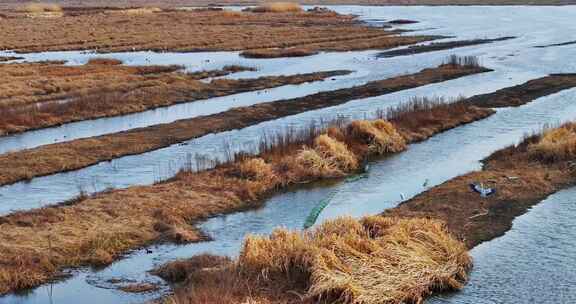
column 36, row 245
column 48, row 94
column 80, row 153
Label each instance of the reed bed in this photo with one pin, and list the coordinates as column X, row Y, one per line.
column 93, row 230
column 466, row 61
column 277, row 7
column 555, row 144
column 372, row 260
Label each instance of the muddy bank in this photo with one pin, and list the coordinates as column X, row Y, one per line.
column 526, row 92
column 438, row 46
column 49, row 95
column 96, row 230
column 76, row 154
column 522, row 175
column 192, row 31
column 9, row 58
column 556, row 44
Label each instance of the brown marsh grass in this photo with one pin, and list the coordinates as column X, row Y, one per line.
column 45, row 95
column 555, row 144
column 277, row 7
column 277, row 53
column 372, row 260
column 48, row 159
column 192, row 31
column 36, row 245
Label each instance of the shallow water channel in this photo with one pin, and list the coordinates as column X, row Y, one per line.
column 538, row 250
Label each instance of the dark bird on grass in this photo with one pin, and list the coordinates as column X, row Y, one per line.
column 484, row 191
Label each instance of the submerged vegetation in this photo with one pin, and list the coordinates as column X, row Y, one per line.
column 372, row 260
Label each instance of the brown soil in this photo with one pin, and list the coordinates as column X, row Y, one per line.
column 35, row 245
column 76, row 154
column 521, row 181
column 438, row 46
column 46, row 95
column 526, row 92
column 191, row 31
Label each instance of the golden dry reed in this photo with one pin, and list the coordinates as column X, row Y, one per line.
column 375, row 260
column 278, row 7
column 556, row 144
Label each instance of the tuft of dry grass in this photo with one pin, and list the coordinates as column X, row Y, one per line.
column 557, row 144
column 137, row 11
column 327, row 158
column 380, row 135
column 277, row 7
column 372, row 260
column 41, row 7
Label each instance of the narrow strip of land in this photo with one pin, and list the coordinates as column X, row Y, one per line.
column 42, row 95
column 77, row 154
column 556, row 44
column 522, row 176
column 526, row 92
column 438, row 46
column 36, row 245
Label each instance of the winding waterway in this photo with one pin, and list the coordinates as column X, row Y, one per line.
column 533, row 262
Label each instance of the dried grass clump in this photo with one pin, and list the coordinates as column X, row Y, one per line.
column 42, row 7
column 380, row 135
column 328, row 158
column 138, row 11
column 179, row 270
column 256, row 169
column 278, row 7
column 374, row 260
column 556, row 144
column 336, row 152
